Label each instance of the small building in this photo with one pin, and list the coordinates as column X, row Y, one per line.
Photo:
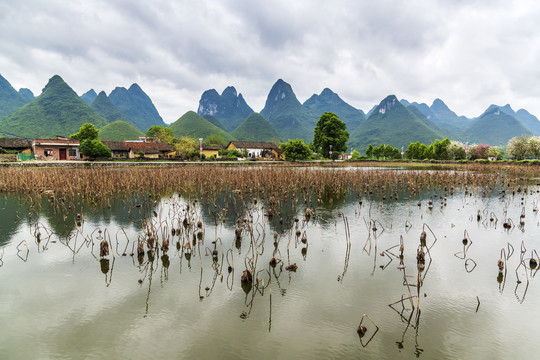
column 135, row 149
column 56, row 149
column 209, row 150
column 23, row 146
column 256, row 149
column 345, row 156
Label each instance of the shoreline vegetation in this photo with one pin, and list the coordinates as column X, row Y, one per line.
column 284, row 181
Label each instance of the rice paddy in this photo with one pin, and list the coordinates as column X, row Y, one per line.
column 267, row 262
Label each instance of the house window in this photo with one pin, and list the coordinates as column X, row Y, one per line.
column 47, row 152
column 72, row 153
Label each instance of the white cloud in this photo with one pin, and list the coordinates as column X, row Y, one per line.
column 470, row 54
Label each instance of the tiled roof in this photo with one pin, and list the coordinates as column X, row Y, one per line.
column 254, row 145
column 7, row 143
column 135, row 146
column 55, row 142
column 213, row 147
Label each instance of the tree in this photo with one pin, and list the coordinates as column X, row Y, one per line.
column 455, row 151
column 494, row 152
column 94, row 149
column 423, row 152
column 534, row 146
column 518, row 147
column 187, row 148
column 439, row 149
column 356, row 155
column 388, row 152
column 330, row 130
column 86, row 132
column 160, row 133
column 369, row 151
column 295, row 149
column 377, row 151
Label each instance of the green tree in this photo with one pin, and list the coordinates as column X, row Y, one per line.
column 369, row 151
column 356, row 155
column 455, row 151
column 187, row 148
column 412, row 151
column 160, row 133
column 377, row 151
column 494, row 152
column 94, row 149
column 388, row 152
column 86, row 132
column 518, row 147
column 330, row 130
column 534, row 146
column 439, row 149
column 295, row 149
column 423, row 152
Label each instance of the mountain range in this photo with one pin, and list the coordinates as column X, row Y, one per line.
column 58, row 110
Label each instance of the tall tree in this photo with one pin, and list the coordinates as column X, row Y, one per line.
column 86, row 132
column 330, row 131
column 161, row 133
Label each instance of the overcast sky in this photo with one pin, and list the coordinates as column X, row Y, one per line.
column 468, row 53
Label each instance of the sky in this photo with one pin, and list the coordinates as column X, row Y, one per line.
column 470, row 54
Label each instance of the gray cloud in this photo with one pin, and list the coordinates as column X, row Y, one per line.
column 470, row 54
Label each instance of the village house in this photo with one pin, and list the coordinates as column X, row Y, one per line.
column 18, row 149
column 134, row 149
column 56, row 149
column 209, row 150
column 19, row 145
column 256, row 149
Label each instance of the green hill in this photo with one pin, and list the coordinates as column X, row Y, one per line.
column 391, row 123
column 285, row 113
column 495, row 127
column 119, row 131
column 256, row 128
column 329, row 101
column 104, row 107
column 10, row 99
column 214, row 120
column 194, row 125
column 57, row 111
column 137, row 106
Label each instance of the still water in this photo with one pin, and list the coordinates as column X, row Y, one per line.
column 60, row 300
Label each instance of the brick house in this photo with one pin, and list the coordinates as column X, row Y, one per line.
column 56, row 149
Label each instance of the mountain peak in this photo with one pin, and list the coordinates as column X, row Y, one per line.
column 229, row 108
column 55, row 81
column 10, row 99
column 135, row 88
column 229, row 91
column 27, row 94
column 327, row 93
column 388, row 103
column 89, row 96
column 137, row 106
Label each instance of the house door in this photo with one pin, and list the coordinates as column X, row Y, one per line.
column 63, row 154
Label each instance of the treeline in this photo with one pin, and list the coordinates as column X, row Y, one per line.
column 452, row 150
column 518, row 148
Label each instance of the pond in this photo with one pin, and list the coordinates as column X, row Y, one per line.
column 359, row 259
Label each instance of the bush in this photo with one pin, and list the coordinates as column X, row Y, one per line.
column 94, row 149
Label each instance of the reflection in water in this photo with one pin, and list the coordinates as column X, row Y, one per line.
column 222, row 259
